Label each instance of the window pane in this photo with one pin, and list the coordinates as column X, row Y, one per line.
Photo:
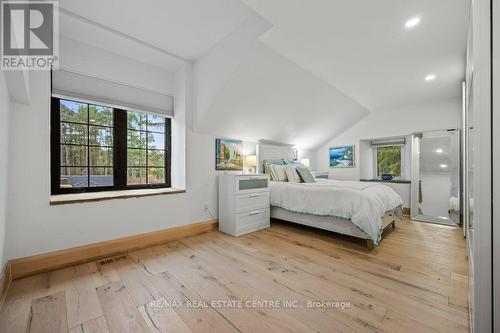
column 100, row 156
column 389, row 160
column 136, row 157
column 136, row 139
column 136, row 120
column 74, row 133
column 156, row 175
column 73, row 155
column 74, row 177
column 101, row 177
column 156, row 158
column 156, row 141
column 156, row 123
column 100, row 115
column 101, row 136
column 136, row 176
column 73, row 111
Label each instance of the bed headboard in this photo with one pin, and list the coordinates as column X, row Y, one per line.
column 274, row 152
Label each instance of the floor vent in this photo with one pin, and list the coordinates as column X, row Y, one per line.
column 109, row 261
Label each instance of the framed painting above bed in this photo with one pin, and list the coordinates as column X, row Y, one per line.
column 342, row 157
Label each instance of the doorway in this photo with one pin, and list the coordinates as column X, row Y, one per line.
column 436, row 177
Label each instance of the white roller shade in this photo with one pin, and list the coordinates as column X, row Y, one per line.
column 388, row 142
column 68, row 84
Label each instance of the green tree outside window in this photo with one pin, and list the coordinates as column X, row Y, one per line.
column 389, row 160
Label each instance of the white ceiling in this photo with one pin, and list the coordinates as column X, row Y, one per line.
column 185, row 28
column 362, row 48
column 358, row 47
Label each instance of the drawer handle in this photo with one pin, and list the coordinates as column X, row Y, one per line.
column 254, row 195
column 255, row 213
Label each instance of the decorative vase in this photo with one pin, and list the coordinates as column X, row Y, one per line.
column 387, row 176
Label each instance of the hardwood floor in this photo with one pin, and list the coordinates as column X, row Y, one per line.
column 283, row 278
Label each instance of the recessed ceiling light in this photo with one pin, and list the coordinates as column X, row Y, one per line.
column 430, row 77
column 439, row 150
column 443, row 166
column 412, row 23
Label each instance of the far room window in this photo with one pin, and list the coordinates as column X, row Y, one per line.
column 100, row 148
column 389, row 160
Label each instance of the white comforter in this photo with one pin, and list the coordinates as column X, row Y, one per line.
column 361, row 202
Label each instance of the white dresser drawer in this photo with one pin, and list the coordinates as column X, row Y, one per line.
column 248, row 184
column 252, row 220
column 252, row 201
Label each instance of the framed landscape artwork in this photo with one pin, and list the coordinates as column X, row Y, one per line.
column 342, row 157
column 228, row 155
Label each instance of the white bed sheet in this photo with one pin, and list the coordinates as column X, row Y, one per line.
column 363, row 203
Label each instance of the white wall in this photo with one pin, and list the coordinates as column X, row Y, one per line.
column 4, row 146
column 366, row 166
column 398, row 122
column 58, row 227
column 179, row 123
column 213, row 71
column 311, row 155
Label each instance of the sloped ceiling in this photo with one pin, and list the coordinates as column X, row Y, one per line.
column 294, row 71
column 271, row 98
column 362, row 47
column 256, row 93
column 159, row 32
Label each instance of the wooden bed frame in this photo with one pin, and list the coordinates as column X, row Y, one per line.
column 342, row 226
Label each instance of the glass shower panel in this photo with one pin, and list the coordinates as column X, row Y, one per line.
column 439, row 178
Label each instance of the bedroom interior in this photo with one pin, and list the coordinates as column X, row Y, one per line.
column 247, row 165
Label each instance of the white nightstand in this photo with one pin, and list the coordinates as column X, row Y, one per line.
column 244, row 203
column 320, row 174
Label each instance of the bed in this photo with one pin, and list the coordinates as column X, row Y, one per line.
column 357, row 209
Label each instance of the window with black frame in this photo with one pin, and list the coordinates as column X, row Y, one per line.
column 99, row 148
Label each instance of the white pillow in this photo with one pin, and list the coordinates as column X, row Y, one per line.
column 292, row 174
column 280, row 173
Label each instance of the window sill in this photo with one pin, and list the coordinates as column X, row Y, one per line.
column 64, row 199
column 395, row 181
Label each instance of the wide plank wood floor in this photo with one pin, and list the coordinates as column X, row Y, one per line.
column 287, row 278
